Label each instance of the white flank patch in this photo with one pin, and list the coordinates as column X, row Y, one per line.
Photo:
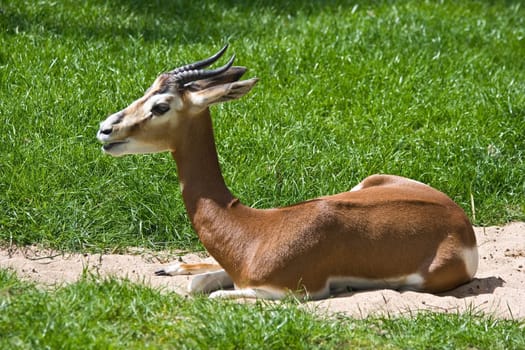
column 471, row 259
column 357, row 187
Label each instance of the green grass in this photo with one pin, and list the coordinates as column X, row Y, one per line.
column 432, row 90
column 110, row 314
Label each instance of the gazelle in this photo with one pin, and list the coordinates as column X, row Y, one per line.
column 386, row 232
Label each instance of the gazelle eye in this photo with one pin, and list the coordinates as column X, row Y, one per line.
column 160, row 109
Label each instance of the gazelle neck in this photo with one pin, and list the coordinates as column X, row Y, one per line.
column 198, row 167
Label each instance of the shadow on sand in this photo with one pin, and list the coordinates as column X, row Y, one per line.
column 477, row 286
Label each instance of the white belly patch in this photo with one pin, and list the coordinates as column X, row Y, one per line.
column 413, row 281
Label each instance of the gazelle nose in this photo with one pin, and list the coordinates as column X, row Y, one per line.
column 106, row 131
column 106, row 127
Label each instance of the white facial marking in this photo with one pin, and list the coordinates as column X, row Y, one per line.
column 153, row 100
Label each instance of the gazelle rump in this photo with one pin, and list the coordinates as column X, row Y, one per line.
column 387, row 232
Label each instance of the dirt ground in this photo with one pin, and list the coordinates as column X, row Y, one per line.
column 498, row 289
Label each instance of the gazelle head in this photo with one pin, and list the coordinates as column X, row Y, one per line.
column 149, row 124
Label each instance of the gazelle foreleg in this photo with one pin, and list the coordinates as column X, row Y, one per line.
column 178, row 269
column 208, row 277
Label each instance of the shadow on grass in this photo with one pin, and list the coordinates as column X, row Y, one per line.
column 174, row 20
column 184, row 21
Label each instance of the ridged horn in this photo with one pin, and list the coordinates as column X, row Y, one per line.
column 200, row 64
column 188, row 76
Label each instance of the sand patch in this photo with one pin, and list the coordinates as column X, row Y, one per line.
column 498, row 289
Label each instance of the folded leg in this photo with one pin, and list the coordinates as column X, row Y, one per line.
column 209, row 282
column 208, row 277
column 249, row 293
column 187, row 269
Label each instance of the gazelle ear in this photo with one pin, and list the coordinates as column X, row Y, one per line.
column 231, row 75
column 221, row 93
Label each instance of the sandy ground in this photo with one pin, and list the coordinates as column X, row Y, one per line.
column 498, row 289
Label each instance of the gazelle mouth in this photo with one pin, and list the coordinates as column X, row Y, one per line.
column 109, row 145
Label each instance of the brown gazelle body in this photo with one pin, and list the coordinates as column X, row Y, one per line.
column 387, row 232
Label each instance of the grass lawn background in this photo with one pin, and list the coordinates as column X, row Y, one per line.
column 429, row 90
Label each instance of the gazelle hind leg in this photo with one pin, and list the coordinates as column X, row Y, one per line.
column 209, row 282
column 249, row 293
column 187, row 269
